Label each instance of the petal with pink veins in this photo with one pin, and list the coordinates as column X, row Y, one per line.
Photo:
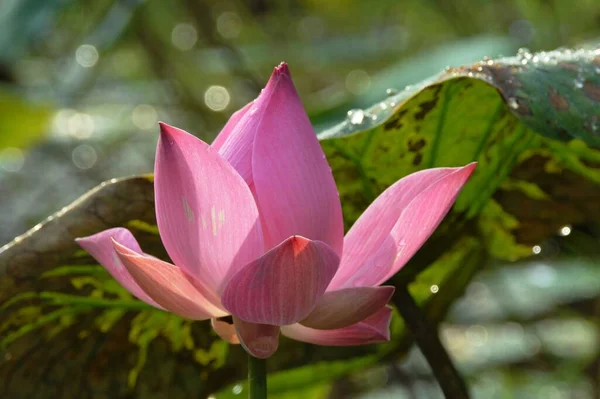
column 225, row 331
column 378, row 264
column 236, row 140
column 259, row 340
column 101, row 248
column 342, row 308
column 372, row 330
column 372, row 228
column 283, row 286
column 167, row 285
column 293, row 183
column 206, row 214
column 416, row 224
column 230, row 127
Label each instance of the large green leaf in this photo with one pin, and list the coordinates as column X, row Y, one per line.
column 555, row 93
column 505, row 114
column 501, row 113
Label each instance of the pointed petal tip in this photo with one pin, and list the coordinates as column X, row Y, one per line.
column 122, row 250
column 465, row 172
column 471, row 167
column 282, row 70
column 163, row 126
column 297, row 243
column 169, row 134
column 166, row 130
column 118, row 247
column 281, row 73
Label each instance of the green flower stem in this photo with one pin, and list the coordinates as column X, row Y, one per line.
column 257, row 378
column 426, row 336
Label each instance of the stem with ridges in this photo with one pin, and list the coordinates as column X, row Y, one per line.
column 257, row 378
column 426, row 336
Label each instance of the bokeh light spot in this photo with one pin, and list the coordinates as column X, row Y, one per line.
column 80, row 125
column 229, row 25
column 522, row 32
column 60, row 122
column 358, row 81
column 565, row 231
column 217, row 98
column 184, row 36
column 87, row 55
column 542, row 275
column 84, row 156
column 144, row 116
column 237, row 389
column 477, row 335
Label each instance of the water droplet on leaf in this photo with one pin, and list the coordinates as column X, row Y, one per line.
column 524, row 53
column 391, row 92
column 356, row 116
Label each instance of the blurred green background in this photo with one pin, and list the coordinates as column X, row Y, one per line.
column 84, row 83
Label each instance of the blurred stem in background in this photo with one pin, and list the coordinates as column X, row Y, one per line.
column 426, row 337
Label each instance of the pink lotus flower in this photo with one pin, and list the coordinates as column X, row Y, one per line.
column 254, row 226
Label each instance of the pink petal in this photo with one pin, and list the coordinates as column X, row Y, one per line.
column 101, row 248
column 225, row 330
column 379, row 263
column 416, row 224
column 423, row 215
column 283, row 286
column 259, row 340
column 229, row 128
column 206, row 214
column 167, row 285
column 372, row 330
column 369, row 232
column 342, row 308
column 235, row 141
column 294, row 187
